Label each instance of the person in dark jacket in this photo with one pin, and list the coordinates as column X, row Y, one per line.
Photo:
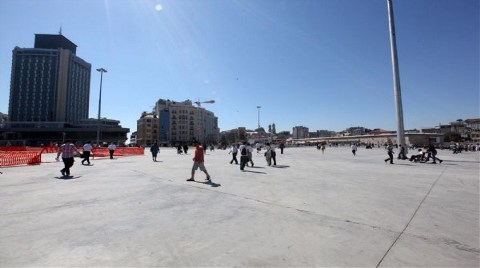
column 154, row 150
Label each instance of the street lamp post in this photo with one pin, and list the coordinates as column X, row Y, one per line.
column 258, row 107
column 396, row 79
column 101, row 70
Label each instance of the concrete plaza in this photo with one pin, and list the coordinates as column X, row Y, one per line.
column 312, row 209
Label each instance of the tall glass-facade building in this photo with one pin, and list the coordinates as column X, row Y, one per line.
column 49, row 83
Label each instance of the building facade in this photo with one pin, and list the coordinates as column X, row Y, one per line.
column 300, row 132
column 473, row 126
column 49, row 97
column 181, row 122
column 147, row 129
column 49, row 82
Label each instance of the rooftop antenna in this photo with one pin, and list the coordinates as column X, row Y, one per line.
column 60, row 31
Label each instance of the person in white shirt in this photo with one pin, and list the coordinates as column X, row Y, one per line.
column 273, row 153
column 234, row 151
column 354, row 149
column 111, row 149
column 87, row 150
column 258, row 146
column 249, row 153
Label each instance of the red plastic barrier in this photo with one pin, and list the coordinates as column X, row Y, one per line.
column 50, row 149
column 13, row 148
column 20, row 158
column 45, row 149
column 120, row 151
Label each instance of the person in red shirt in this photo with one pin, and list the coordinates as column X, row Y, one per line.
column 198, row 161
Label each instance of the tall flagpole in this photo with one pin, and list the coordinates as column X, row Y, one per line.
column 396, row 79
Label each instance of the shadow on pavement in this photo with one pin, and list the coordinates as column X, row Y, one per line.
column 259, row 172
column 211, row 183
column 280, row 166
column 67, row 177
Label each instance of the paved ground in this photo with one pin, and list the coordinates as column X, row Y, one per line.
column 311, row 210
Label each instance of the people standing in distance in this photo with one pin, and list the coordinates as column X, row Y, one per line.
column 282, row 146
column 87, row 150
column 67, row 150
column 198, row 161
column 111, row 149
column 154, row 150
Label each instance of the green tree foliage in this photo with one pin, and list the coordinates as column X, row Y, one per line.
column 452, row 137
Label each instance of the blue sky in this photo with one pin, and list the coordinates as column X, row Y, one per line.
column 323, row 64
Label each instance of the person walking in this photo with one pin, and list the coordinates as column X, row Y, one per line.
column 390, row 153
column 198, row 161
column 354, row 149
column 154, row 150
column 234, row 152
column 268, row 154
column 282, row 146
column 243, row 155
column 67, row 150
column 87, row 151
column 111, row 149
column 273, row 153
column 433, row 153
column 249, row 153
column 401, row 154
column 258, row 146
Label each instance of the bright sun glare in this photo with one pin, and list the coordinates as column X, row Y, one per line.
column 158, row 7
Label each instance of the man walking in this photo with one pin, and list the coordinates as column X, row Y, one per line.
column 243, row 155
column 234, row 152
column 154, row 150
column 87, row 150
column 66, row 150
column 273, row 153
column 198, row 161
column 354, row 149
column 390, row 153
column 111, row 149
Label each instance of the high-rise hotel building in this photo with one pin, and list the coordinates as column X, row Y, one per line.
column 49, row 83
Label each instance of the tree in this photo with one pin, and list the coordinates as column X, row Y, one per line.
column 223, row 140
column 452, row 137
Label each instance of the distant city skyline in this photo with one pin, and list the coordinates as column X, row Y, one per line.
column 319, row 64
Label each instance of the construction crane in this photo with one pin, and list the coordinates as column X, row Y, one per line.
column 199, row 103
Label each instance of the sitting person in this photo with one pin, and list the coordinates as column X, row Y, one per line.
column 417, row 157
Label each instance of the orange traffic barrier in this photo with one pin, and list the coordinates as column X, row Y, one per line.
column 20, row 158
column 120, row 151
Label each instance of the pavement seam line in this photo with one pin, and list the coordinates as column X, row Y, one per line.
column 411, row 218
